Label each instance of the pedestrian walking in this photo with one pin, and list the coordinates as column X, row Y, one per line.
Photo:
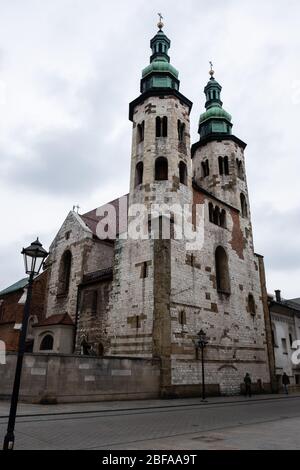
column 247, row 381
column 285, row 382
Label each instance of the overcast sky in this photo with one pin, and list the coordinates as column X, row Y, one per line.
column 69, row 68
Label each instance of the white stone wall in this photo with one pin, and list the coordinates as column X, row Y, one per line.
column 237, row 341
column 283, row 326
column 225, row 187
column 152, row 147
column 87, row 256
column 63, row 338
column 131, row 296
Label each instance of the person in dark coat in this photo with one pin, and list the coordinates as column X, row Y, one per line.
column 247, row 381
column 285, row 382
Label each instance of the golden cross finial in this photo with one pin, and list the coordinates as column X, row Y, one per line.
column 160, row 23
column 211, row 72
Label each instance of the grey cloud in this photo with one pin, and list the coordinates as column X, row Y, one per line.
column 277, row 236
column 73, row 161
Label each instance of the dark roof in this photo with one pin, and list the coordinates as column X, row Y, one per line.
column 15, row 287
column 293, row 304
column 296, row 301
column 59, row 319
column 287, row 304
column 91, row 219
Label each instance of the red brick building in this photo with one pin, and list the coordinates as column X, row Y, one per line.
column 12, row 300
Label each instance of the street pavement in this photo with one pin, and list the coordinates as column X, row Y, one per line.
column 262, row 422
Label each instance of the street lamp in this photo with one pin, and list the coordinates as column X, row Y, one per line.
column 34, row 256
column 201, row 343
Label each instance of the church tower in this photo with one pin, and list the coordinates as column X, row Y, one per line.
column 218, row 157
column 161, row 169
column 166, row 290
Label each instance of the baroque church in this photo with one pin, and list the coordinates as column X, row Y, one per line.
column 148, row 298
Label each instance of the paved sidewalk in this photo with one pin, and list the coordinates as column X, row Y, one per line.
column 73, row 408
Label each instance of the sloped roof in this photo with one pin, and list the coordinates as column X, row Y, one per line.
column 91, row 219
column 293, row 303
column 15, row 287
column 296, row 301
column 59, row 319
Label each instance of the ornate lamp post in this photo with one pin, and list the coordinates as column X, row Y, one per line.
column 34, row 256
column 201, row 343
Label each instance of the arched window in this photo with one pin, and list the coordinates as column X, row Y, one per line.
column 222, row 271
column 139, row 170
column 221, row 169
column 182, row 317
column 226, row 166
column 251, row 304
column 65, row 272
column 160, row 47
column 217, row 216
column 244, row 209
column 223, row 218
column 223, row 165
column 239, row 167
column 165, row 126
column 161, row 126
column 158, row 127
column 211, row 212
column 140, row 132
column 161, row 169
column 205, row 168
column 182, row 173
column 47, row 343
column 181, row 131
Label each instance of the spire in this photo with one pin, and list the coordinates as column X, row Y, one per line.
column 160, row 24
column 215, row 120
column 160, row 73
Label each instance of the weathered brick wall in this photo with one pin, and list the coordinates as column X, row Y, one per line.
column 225, row 187
column 237, row 340
column 168, row 147
column 131, row 297
column 92, row 315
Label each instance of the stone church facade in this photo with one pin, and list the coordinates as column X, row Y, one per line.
column 149, row 297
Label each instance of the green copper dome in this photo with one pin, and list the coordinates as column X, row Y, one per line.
column 160, row 73
column 159, row 66
column 215, row 120
column 215, row 112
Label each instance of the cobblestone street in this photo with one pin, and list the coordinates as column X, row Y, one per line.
column 221, row 423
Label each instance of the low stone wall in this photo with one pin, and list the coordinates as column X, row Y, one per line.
column 56, row 378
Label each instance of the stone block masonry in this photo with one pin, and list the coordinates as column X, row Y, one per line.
column 53, row 378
